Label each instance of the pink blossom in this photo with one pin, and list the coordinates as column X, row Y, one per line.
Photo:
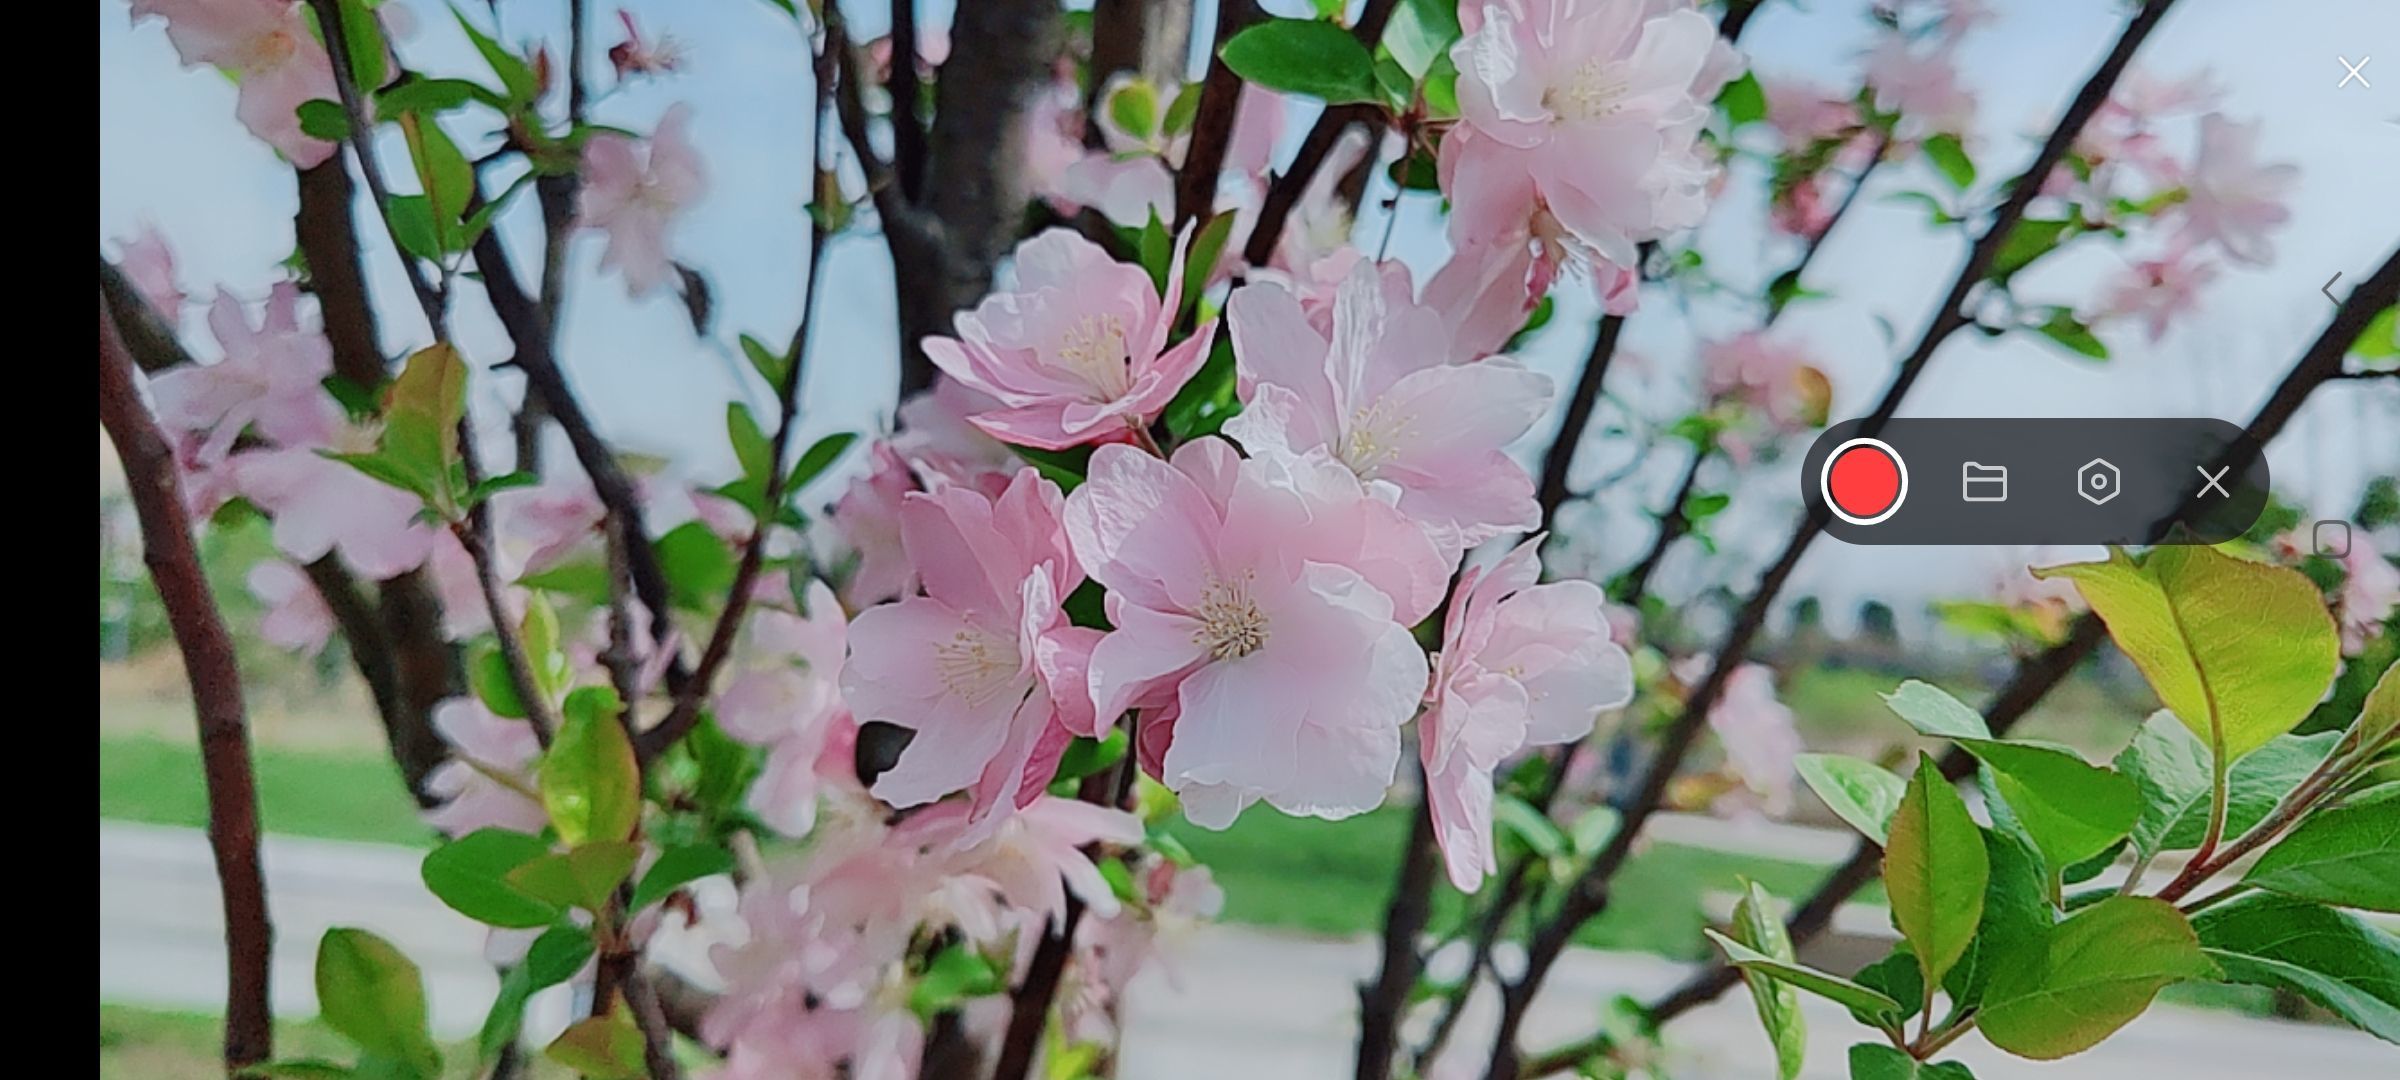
column 984, row 663
column 148, row 264
column 1078, row 353
column 2157, row 292
column 455, row 587
column 1922, row 86
column 1256, row 599
column 944, row 446
column 1127, row 190
column 271, row 52
column 1036, row 857
column 784, row 695
column 1780, row 379
column 633, row 190
column 1110, row 952
column 1804, row 113
column 271, row 378
column 867, row 519
column 2369, row 594
column 1381, row 396
column 1509, row 247
column 322, row 506
column 2234, row 200
column 637, row 55
column 1598, row 106
column 1259, row 118
column 539, row 526
column 1757, row 732
column 1054, row 141
column 488, row 781
column 296, row 617
column 1521, row 664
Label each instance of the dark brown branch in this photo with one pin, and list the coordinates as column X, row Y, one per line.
column 326, row 230
column 1381, row 1002
column 694, row 694
column 1551, row 491
column 1588, row 896
column 522, row 319
column 1290, row 184
column 430, row 299
column 658, row 1036
column 1031, row 1009
column 1212, row 122
column 216, row 684
column 2035, row 676
column 907, row 90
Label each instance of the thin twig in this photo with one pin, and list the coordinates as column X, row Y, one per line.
column 1212, row 122
column 1290, row 184
column 1588, row 896
column 906, row 88
column 694, row 694
column 1380, row 1002
column 209, row 667
column 430, row 299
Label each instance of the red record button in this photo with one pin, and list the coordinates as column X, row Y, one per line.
column 1864, row 481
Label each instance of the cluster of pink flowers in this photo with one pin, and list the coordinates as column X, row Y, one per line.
column 1258, row 598
column 273, row 55
column 1580, row 139
column 2370, row 590
column 1763, row 386
column 634, row 190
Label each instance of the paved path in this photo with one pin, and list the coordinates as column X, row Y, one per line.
column 1243, row 1003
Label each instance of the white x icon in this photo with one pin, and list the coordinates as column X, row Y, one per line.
column 2351, row 71
column 2209, row 481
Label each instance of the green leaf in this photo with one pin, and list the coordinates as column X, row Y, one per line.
column 2171, row 767
column 428, row 96
column 323, row 119
column 1062, row 467
column 2099, row 970
column 2336, row 959
column 554, row 957
column 1133, row 106
column 1182, row 111
column 299, row 1069
column 1877, row 1061
column 372, row 994
column 953, row 975
column 1539, row 834
column 515, row 74
column 487, row 672
column 2029, row 241
column 1933, row 712
column 493, row 485
column 2238, row 650
column 362, row 38
column 2378, row 716
column 2063, row 327
column 2071, row 808
column 2381, row 338
column 1744, row 100
column 471, row 875
column 584, row 877
column 1301, row 56
column 1156, row 246
column 411, row 217
column 589, row 782
column 751, row 447
column 1950, row 159
column 2016, row 918
column 699, row 565
column 1897, row 977
column 1755, row 924
column 605, row 1047
column 2348, row 856
column 448, row 178
column 1085, row 756
column 1934, row 870
column 1207, row 247
column 1935, row 212
column 1206, row 402
column 1859, row 792
column 676, row 867
column 813, row 462
column 1825, row 985
column 770, row 365
column 1420, row 32
column 421, row 411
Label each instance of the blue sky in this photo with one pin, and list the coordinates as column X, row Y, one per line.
column 171, row 154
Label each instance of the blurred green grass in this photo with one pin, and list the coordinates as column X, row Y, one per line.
column 1298, row 874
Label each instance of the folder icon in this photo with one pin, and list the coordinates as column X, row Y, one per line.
column 1984, row 483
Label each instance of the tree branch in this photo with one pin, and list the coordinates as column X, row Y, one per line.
column 216, row 685
column 1212, row 122
column 1284, row 193
column 688, row 701
column 1380, row 1002
column 430, row 299
column 1588, row 896
column 907, row 90
column 1551, row 490
column 2037, row 675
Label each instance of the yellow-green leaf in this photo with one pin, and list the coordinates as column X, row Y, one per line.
column 1934, row 870
column 373, row 995
column 2240, row 651
column 1756, row 925
column 2099, row 970
column 590, row 783
column 604, row 1047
